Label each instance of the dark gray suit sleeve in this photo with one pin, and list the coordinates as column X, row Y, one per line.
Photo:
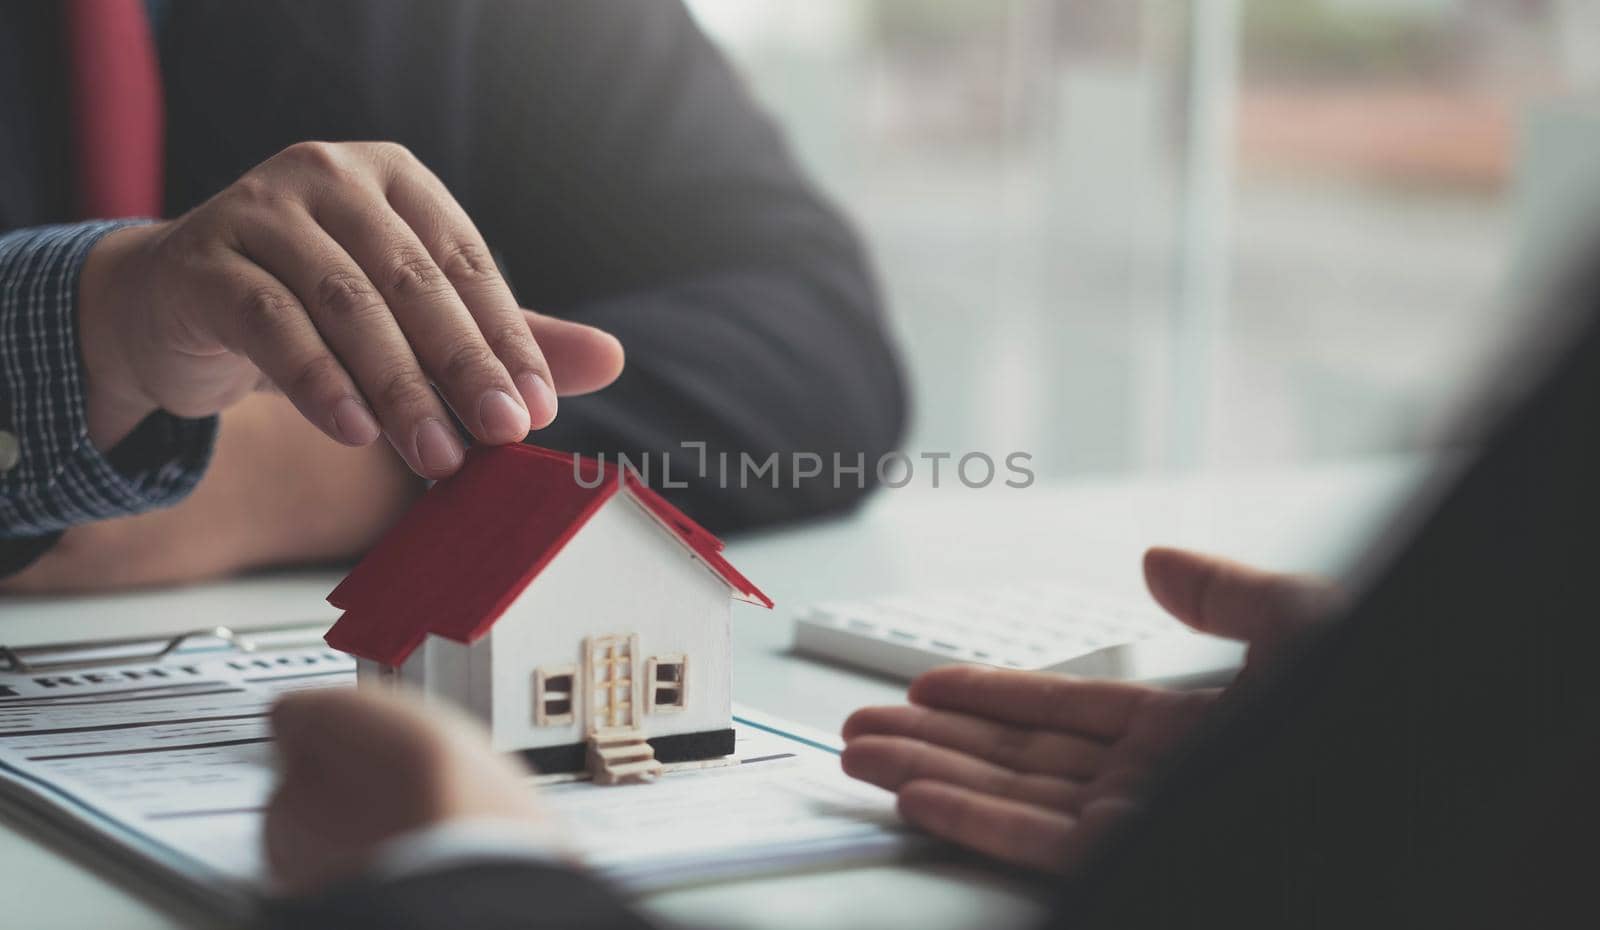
column 490, row 896
column 630, row 182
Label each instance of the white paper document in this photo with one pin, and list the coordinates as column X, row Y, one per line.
column 167, row 766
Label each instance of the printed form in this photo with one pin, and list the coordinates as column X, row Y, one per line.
column 172, row 763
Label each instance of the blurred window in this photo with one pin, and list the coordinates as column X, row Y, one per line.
column 1146, row 234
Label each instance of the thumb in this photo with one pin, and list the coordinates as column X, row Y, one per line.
column 1231, row 600
column 329, row 730
column 582, row 359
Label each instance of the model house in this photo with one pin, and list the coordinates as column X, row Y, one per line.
column 579, row 614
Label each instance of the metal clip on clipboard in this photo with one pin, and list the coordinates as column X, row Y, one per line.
column 55, row 657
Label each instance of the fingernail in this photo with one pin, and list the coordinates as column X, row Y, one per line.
column 500, row 416
column 354, row 422
column 540, row 396
column 438, row 450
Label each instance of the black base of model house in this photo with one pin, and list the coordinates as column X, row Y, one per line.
column 680, row 747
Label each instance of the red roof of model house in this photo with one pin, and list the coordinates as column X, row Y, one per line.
column 469, row 547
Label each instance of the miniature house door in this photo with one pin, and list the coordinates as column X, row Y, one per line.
column 615, row 691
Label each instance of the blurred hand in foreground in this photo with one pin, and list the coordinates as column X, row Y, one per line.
column 360, row 768
column 1031, row 768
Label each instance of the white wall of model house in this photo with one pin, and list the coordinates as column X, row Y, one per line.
column 622, row 573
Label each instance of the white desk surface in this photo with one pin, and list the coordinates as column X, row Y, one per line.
column 1313, row 519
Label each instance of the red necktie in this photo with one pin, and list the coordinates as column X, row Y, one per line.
column 118, row 117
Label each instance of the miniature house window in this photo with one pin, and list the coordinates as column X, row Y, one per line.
column 553, row 694
column 664, row 680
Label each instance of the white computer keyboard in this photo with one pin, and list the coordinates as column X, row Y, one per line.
column 1043, row 625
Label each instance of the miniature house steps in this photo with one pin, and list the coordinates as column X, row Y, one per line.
column 622, row 758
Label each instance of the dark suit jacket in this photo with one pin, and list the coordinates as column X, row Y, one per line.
column 608, row 154
column 1430, row 759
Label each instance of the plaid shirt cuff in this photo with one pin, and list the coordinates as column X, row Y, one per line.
column 52, row 477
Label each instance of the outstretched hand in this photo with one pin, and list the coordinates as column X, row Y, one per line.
column 1032, row 768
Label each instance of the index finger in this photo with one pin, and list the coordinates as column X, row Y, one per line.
column 1021, row 749
column 1099, row 709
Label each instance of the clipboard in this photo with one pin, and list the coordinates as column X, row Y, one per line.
column 137, row 649
column 153, row 754
column 56, row 814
